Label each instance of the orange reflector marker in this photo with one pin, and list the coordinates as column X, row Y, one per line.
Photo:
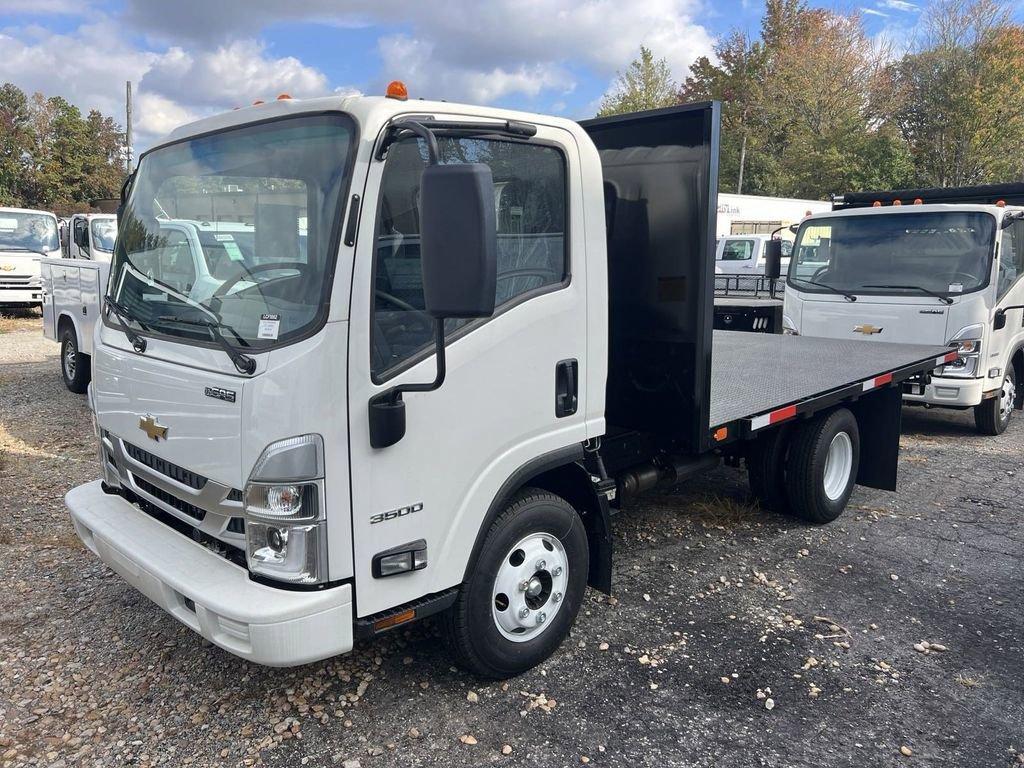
column 257, row 102
column 283, row 97
column 876, row 204
column 721, row 433
column 397, row 90
column 897, row 201
column 393, row 621
column 1001, row 203
column 918, row 201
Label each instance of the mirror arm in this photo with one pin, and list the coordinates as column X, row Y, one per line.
column 394, row 394
column 433, row 154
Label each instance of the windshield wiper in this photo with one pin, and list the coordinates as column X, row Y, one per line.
column 840, row 291
column 125, row 317
column 939, row 296
column 242, row 361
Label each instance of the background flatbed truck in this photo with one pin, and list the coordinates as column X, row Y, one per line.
column 477, row 480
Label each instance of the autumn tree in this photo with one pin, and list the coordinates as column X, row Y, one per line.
column 960, row 95
column 646, row 84
column 15, row 144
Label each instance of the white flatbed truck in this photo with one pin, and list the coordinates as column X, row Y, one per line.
column 470, row 335
column 938, row 266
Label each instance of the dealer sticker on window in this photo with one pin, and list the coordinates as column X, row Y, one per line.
column 269, row 326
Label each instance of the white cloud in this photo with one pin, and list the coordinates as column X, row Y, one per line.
column 873, row 12
column 899, row 5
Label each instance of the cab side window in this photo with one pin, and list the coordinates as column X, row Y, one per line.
column 530, row 194
column 1011, row 257
column 737, row 250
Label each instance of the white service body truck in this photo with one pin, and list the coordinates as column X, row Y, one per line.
column 744, row 255
column 466, row 335
column 930, row 266
column 26, row 237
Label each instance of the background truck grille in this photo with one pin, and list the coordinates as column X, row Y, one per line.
column 166, row 468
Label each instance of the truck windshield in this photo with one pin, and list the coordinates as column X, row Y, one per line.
column 23, row 231
column 945, row 253
column 104, row 232
column 239, row 225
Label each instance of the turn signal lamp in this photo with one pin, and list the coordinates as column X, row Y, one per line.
column 721, row 433
column 257, row 102
column 283, row 97
column 897, row 202
column 876, row 204
column 1000, row 203
column 918, row 201
column 396, row 90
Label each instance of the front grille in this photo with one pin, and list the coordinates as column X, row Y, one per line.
column 170, row 500
column 166, row 468
column 236, row 525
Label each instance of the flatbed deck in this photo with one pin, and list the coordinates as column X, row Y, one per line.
column 755, row 373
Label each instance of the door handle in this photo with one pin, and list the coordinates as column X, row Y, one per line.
column 566, row 388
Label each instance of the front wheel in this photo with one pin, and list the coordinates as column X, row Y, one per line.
column 74, row 366
column 821, row 471
column 522, row 597
column 992, row 416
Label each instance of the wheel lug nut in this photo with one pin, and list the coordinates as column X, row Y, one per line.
column 556, row 597
column 542, row 617
column 524, row 612
column 541, row 565
column 524, row 585
column 557, row 571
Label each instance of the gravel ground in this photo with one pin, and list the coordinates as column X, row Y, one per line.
column 735, row 638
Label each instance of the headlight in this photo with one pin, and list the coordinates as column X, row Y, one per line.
column 967, row 343
column 285, row 521
column 789, row 327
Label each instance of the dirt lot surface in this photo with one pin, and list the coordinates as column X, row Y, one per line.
column 735, row 638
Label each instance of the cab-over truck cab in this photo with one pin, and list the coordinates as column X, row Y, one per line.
column 26, row 237
column 91, row 236
column 936, row 266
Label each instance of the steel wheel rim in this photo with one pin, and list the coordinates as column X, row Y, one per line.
column 70, row 360
column 838, row 466
column 1006, row 398
column 529, row 588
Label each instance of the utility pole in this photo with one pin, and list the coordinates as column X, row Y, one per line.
column 128, row 125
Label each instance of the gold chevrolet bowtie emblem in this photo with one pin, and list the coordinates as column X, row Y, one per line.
column 867, row 329
column 7, row 267
column 149, row 425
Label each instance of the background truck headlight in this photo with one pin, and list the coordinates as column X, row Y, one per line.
column 285, row 521
column 967, row 343
column 789, row 327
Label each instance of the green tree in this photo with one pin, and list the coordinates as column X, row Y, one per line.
column 15, row 144
column 646, row 84
column 960, row 95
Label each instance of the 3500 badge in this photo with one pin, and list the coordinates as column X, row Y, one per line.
column 394, row 514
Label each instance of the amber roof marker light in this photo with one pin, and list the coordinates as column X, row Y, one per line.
column 396, row 90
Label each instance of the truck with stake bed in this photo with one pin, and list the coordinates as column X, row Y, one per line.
column 467, row 336
column 934, row 266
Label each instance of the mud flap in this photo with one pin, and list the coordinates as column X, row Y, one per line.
column 879, row 416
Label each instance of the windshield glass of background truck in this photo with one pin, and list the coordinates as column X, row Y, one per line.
column 104, row 232
column 529, row 198
column 239, row 223
column 945, row 252
column 28, row 231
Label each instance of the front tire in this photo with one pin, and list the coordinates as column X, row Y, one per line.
column 992, row 416
column 824, row 457
column 523, row 594
column 75, row 367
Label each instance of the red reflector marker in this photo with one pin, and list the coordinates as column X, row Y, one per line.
column 774, row 417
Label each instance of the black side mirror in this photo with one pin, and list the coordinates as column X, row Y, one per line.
column 772, row 259
column 459, row 262
column 458, row 240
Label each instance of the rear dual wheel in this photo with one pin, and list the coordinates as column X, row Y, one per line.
column 811, row 470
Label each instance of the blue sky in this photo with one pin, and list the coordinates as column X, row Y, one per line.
column 189, row 58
